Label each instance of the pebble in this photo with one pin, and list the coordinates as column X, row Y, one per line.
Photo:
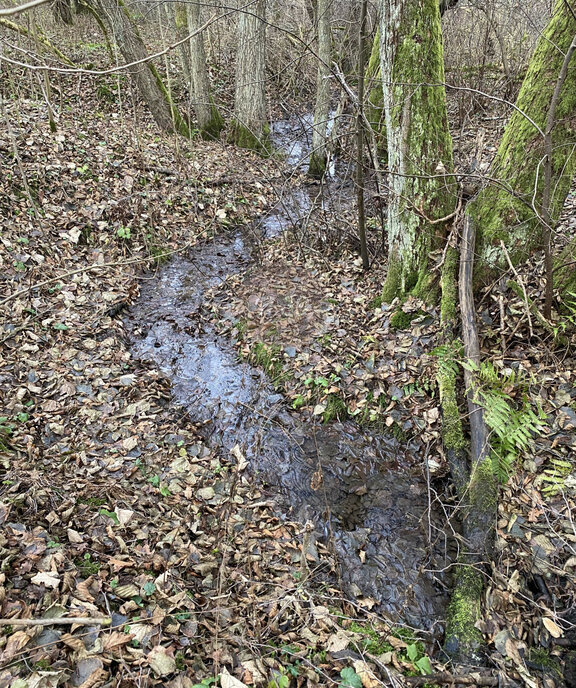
column 127, row 380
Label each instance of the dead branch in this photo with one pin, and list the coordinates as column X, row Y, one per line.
column 60, row 621
column 453, row 679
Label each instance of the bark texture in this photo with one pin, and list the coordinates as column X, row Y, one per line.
column 63, row 11
column 250, row 125
column 375, row 107
column 511, row 210
column 210, row 123
column 478, row 493
column 318, row 157
column 144, row 74
column 182, row 30
column 419, row 143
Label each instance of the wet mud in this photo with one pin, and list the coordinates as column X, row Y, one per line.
column 360, row 491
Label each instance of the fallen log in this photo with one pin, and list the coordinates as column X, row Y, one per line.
column 476, row 485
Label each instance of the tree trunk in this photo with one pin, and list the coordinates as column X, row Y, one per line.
column 63, row 11
column 250, row 125
column 360, row 138
column 474, row 480
column 182, row 31
column 419, row 143
column 210, row 123
column 318, row 157
column 375, row 107
column 511, row 209
column 145, row 75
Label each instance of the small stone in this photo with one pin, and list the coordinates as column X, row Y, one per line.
column 127, row 380
column 205, row 493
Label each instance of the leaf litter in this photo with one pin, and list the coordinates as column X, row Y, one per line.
column 113, row 506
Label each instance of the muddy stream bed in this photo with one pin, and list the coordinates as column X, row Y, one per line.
column 369, row 502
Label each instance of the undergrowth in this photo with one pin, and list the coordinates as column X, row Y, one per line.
column 512, row 415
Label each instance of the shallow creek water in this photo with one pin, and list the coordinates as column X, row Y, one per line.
column 375, row 508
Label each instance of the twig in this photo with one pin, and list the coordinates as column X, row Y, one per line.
column 8, row 11
column 446, row 677
column 521, row 283
column 440, row 219
column 60, row 621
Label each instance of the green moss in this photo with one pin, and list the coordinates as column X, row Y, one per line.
column 542, row 657
column 336, row 409
column 87, row 567
column 565, row 272
column 505, row 212
column 317, row 166
column 376, row 302
column 449, row 285
column 372, row 641
column 483, row 488
column 452, row 432
column 244, row 138
column 400, row 320
column 393, row 281
column 463, row 639
column 211, row 129
column 270, row 359
column 398, row 433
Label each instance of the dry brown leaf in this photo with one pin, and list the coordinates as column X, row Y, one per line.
column 228, row 681
column 161, row 663
column 552, row 628
column 96, row 678
column 112, row 641
column 366, row 674
column 83, row 590
column 118, row 564
column 72, row 641
column 15, row 643
column 49, row 580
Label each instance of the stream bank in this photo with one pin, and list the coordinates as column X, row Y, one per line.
column 360, row 492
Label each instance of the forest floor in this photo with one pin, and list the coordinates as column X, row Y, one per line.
column 112, row 505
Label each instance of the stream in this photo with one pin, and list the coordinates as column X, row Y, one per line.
column 370, row 502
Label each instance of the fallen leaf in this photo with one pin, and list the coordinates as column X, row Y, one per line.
column 228, row 681
column 552, row 628
column 161, row 663
column 47, row 579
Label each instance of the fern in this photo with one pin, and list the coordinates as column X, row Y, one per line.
column 448, row 358
column 513, row 422
column 509, row 412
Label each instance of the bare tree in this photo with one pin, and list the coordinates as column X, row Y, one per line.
column 318, row 157
column 149, row 82
column 419, row 143
column 250, row 127
column 194, row 63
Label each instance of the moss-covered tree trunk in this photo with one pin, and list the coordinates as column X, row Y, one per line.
column 182, row 32
column 374, row 106
column 510, row 210
column 419, row 143
column 250, row 127
column 210, row 123
column 62, row 10
column 144, row 73
column 318, row 157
